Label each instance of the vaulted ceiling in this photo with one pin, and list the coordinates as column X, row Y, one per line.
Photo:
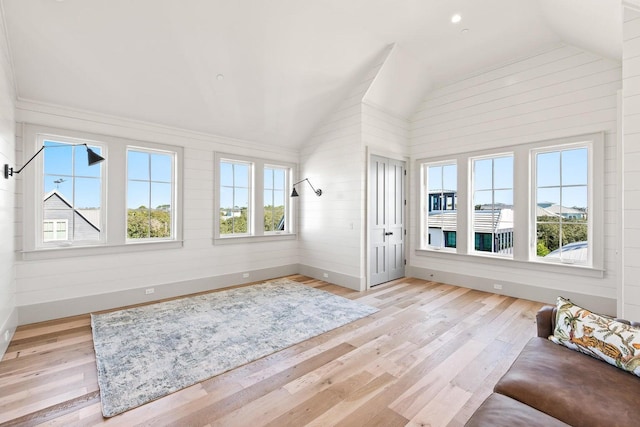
column 270, row 71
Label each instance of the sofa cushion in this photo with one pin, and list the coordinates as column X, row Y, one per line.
column 598, row 336
column 499, row 410
column 572, row 387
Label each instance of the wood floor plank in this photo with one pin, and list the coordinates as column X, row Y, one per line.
column 429, row 356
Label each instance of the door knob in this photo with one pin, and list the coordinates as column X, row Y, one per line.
column 389, row 233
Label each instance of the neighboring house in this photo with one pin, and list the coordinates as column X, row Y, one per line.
column 551, row 209
column 60, row 219
column 492, row 228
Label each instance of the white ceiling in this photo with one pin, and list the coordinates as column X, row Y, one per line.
column 286, row 63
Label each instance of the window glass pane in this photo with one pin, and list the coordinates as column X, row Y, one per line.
column 138, row 165
column 503, row 172
column 482, row 174
column 268, row 178
column 442, row 216
column 574, row 202
column 81, row 163
column 150, row 186
column 138, row 195
column 87, row 193
column 562, row 209
column 279, row 179
column 235, row 194
column 548, row 169
column 274, row 199
column 493, row 205
column 449, row 177
column 72, row 198
column 434, row 178
column 574, row 167
column 161, row 167
column 241, row 175
column 226, row 174
column 58, row 158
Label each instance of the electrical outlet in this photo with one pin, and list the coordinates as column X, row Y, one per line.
column 325, row 275
column 497, row 286
column 6, row 336
column 149, row 291
column 245, row 275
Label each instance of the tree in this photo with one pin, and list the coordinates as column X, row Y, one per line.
column 144, row 223
column 548, row 233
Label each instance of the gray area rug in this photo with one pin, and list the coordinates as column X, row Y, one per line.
column 147, row 352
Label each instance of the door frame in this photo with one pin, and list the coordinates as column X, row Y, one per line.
column 407, row 165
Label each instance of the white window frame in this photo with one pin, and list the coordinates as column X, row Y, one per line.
column 113, row 206
column 256, row 201
column 589, row 145
column 287, row 198
column 424, row 191
column 472, row 211
column 525, row 240
column 173, row 156
column 38, row 242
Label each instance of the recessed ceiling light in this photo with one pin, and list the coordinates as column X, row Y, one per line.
column 220, row 77
column 464, row 30
column 456, row 18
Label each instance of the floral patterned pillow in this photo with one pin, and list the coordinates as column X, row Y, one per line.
column 598, row 336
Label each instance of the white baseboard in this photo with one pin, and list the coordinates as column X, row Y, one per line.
column 351, row 282
column 518, row 290
column 7, row 330
column 71, row 307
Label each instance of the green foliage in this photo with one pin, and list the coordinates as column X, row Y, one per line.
column 145, row 223
column 541, row 249
column 548, row 232
column 272, row 217
column 231, row 224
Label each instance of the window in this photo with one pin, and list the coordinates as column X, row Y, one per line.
column 54, row 229
column 562, row 204
column 253, row 200
column 275, row 181
column 150, row 189
column 72, row 209
column 555, row 186
column 234, row 197
column 72, row 193
column 493, row 204
column 440, row 189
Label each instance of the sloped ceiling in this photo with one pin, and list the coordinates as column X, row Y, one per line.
column 286, row 63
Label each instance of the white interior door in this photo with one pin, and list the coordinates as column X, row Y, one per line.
column 386, row 219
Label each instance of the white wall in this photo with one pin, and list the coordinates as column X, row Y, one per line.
column 8, row 313
column 561, row 92
column 47, row 287
column 631, row 149
column 332, row 227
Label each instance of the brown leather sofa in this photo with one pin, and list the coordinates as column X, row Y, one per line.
column 551, row 385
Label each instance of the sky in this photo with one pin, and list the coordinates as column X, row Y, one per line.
column 234, row 185
column 567, row 168
column 66, row 169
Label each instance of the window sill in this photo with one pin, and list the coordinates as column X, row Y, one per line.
column 234, row 240
column 500, row 261
column 75, row 251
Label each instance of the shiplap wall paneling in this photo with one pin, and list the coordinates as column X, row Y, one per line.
column 332, row 227
column 561, row 92
column 51, row 280
column 631, row 150
column 8, row 313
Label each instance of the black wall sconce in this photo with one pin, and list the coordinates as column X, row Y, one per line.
column 92, row 158
column 294, row 193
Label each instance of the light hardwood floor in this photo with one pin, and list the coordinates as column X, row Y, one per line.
column 430, row 356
